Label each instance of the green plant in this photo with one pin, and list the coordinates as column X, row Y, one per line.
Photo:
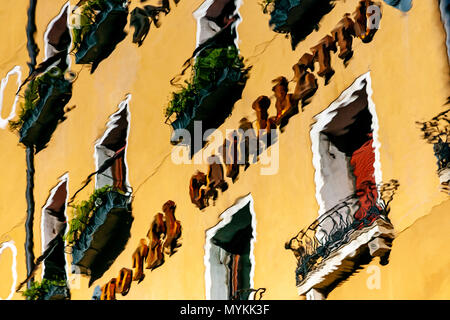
column 210, row 64
column 207, row 71
column 32, row 95
column 39, row 289
column 87, row 16
column 82, row 212
column 182, row 100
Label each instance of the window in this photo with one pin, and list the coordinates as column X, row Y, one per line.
column 112, row 146
column 100, row 239
column 345, row 152
column 229, row 258
column 57, row 37
column 215, row 15
column 54, row 223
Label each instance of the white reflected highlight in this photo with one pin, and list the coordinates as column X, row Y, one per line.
column 10, row 245
column 16, row 70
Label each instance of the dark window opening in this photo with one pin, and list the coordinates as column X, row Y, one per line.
column 54, row 222
column 235, row 238
column 351, row 133
column 112, row 149
column 217, row 25
column 221, row 12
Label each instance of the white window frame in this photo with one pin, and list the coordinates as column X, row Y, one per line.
column 216, row 273
column 44, row 217
column 317, row 141
column 102, row 153
column 206, row 29
column 48, row 48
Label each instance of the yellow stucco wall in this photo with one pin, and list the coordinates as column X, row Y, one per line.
column 409, row 70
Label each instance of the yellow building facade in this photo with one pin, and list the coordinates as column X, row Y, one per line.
column 403, row 70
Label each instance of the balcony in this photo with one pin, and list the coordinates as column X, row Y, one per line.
column 100, row 28
column 43, row 108
column 57, row 292
column 338, row 243
column 48, row 289
column 299, row 18
column 104, row 236
column 217, row 81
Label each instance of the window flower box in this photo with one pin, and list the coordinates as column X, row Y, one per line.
column 219, row 77
column 57, row 292
column 297, row 17
column 48, row 290
column 100, row 29
column 99, row 231
column 43, row 108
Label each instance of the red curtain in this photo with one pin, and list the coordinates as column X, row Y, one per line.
column 118, row 173
column 362, row 162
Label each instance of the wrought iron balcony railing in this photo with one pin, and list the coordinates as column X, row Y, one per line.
column 332, row 230
column 437, row 132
